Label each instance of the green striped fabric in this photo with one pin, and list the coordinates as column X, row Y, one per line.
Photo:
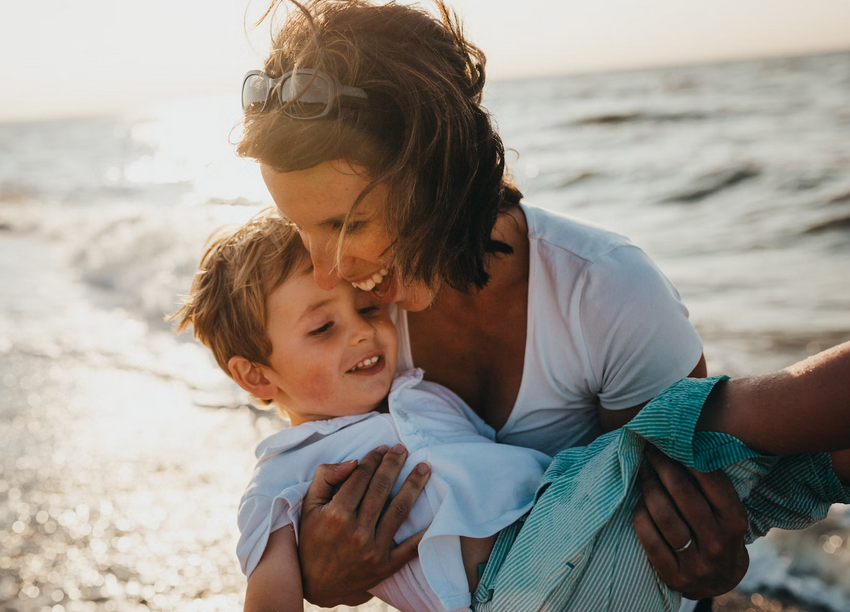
column 577, row 550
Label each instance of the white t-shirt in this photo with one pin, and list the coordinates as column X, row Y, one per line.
column 604, row 325
column 476, row 489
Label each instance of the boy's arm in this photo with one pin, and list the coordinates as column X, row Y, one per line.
column 802, row 409
column 275, row 584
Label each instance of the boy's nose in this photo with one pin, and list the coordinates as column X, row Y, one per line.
column 363, row 331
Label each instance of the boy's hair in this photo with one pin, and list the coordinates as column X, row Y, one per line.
column 239, row 269
column 425, row 135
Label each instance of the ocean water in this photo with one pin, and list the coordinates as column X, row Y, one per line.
column 734, row 177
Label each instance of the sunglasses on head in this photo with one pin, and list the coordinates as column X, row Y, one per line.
column 302, row 94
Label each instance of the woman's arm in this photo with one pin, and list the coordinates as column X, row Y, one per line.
column 346, row 536
column 275, row 584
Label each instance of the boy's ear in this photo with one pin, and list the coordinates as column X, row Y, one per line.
column 251, row 378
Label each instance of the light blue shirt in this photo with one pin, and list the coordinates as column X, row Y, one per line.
column 476, row 489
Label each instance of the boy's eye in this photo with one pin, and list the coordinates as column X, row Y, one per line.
column 321, row 330
column 369, row 310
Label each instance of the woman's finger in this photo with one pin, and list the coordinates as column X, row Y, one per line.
column 402, row 503
column 351, row 492
column 406, row 551
column 328, row 477
column 726, row 505
column 654, row 544
column 715, row 561
column 689, row 504
column 662, row 509
column 381, row 485
column 721, row 545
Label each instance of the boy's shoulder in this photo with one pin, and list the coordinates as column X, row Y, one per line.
column 291, row 455
column 298, row 436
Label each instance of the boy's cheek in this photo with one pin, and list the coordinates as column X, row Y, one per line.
column 318, row 385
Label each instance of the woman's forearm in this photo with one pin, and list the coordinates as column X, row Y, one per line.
column 802, row 409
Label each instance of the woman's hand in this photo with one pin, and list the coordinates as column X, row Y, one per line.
column 691, row 526
column 346, row 539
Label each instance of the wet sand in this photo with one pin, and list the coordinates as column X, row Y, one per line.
column 119, row 479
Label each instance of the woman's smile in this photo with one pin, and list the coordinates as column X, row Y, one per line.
column 371, row 282
column 319, row 202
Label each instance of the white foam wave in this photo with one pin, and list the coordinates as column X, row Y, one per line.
column 138, row 258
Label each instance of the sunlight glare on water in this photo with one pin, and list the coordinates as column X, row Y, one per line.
column 188, row 143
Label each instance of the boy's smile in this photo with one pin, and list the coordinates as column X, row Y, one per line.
column 333, row 351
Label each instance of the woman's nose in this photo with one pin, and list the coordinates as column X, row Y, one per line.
column 325, row 275
column 323, row 257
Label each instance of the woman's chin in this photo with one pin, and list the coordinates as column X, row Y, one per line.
column 415, row 304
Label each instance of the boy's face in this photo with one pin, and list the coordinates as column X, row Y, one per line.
column 333, row 352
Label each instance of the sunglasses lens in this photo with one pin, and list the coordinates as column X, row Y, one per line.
column 255, row 91
column 305, row 95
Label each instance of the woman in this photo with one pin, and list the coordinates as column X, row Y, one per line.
column 367, row 124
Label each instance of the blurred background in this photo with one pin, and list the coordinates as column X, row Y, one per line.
column 716, row 135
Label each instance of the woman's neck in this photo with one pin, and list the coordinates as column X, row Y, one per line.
column 474, row 343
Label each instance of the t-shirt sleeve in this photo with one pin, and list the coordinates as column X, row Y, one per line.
column 635, row 329
column 259, row 516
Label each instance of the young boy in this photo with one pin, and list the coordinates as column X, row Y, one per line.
column 327, row 359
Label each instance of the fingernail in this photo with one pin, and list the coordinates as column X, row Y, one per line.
column 423, row 468
column 382, row 449
column 350, row 461
column 399, row 448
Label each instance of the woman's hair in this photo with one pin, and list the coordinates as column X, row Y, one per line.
column 240, row 268
column 424, row 134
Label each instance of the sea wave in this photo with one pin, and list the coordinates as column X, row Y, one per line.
column 641, row 117
column 708, row 185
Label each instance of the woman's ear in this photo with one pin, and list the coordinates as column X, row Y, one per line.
column 251, row 378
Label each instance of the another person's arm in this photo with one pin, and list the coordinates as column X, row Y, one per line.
column 347, row 533
column 802, row 409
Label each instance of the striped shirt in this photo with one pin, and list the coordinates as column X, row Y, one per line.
column 577, row 549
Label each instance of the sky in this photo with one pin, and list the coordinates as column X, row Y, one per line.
column 60, row 58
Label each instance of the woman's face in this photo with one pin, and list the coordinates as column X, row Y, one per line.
column 317, row 202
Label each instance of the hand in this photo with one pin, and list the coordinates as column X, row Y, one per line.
column 346, row 539
column 680, row 506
